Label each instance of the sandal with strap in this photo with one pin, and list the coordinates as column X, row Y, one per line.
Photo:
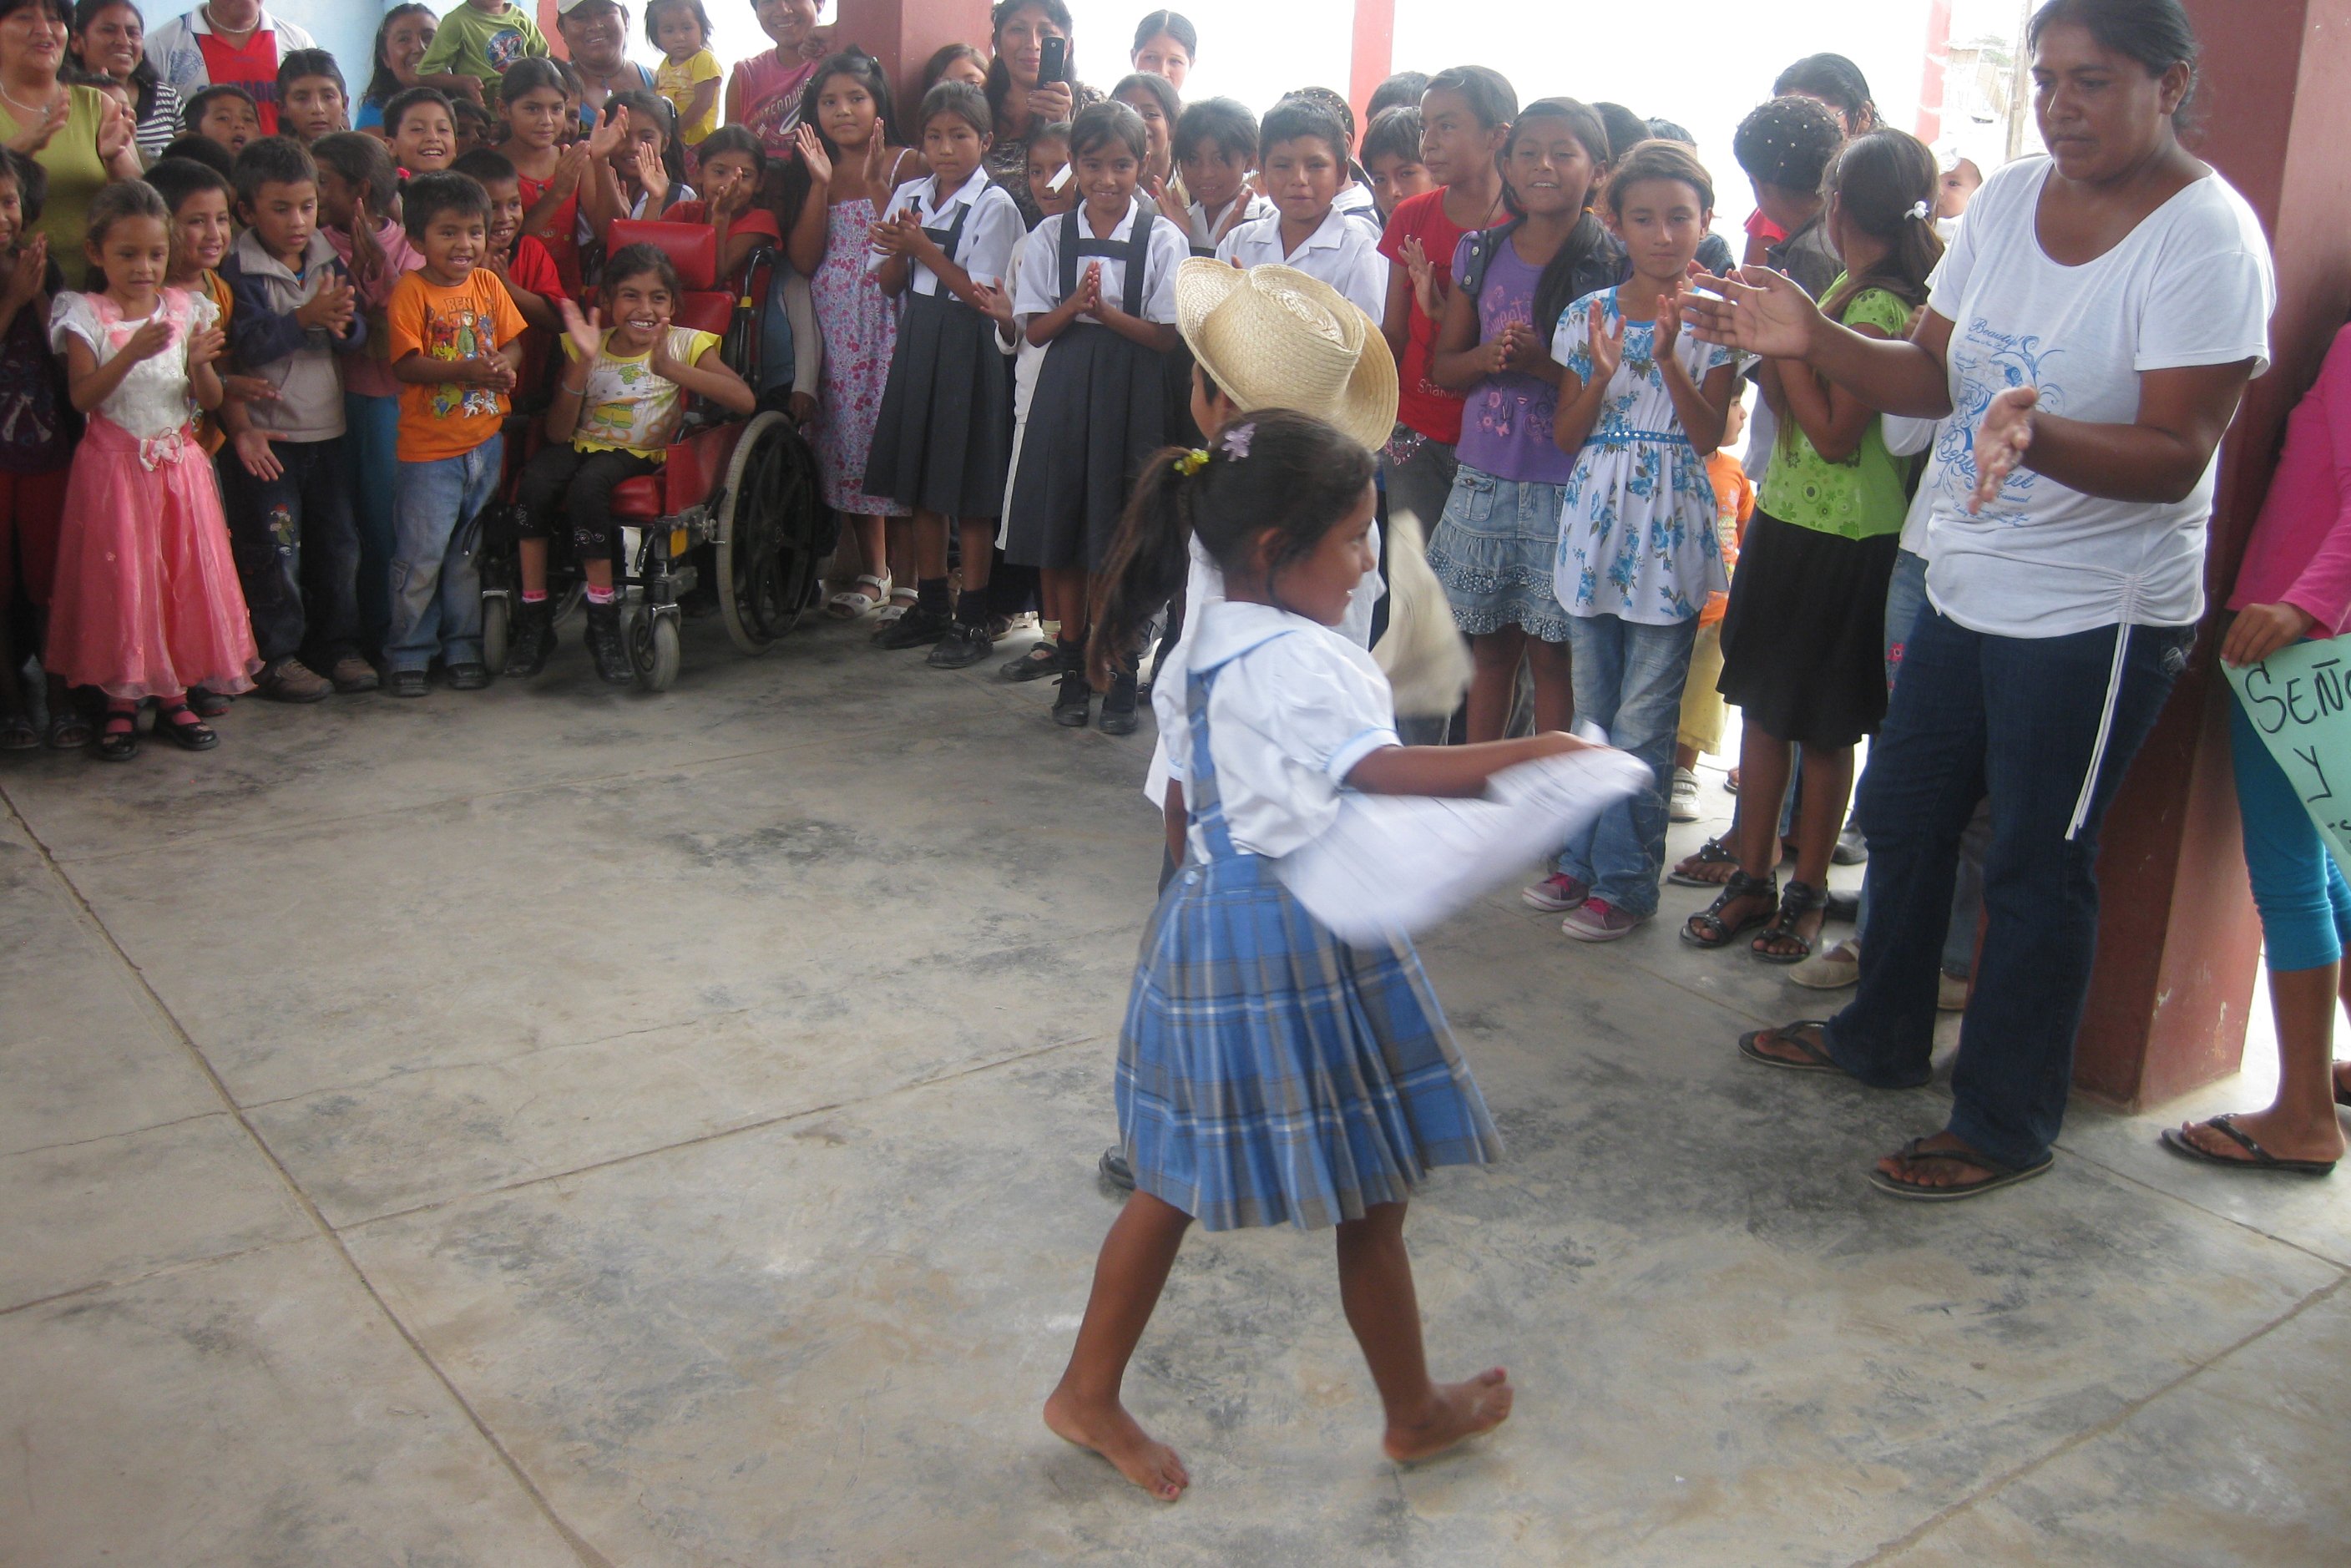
column 901, row 599
column 2257, row 1158
column 178, row 723
column 1709, row 929
column 117, row 739
column 1801, row 899
column 2001, row 1173
column 18, row 734
column 1810, row 1058
column 68, row 729
column 851, row 603
column 1713, row 853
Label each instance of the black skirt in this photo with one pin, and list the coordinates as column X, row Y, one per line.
column 1803, row 640
column 943, row 436
column 1099, row 412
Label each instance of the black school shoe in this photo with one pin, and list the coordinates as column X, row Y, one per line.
column 532, row 641
column 1041, row 660
column 963, row 647
column 1070, row 704
column 918, row 628
column 468, row 677
column 1118, row 714
column 606, row 648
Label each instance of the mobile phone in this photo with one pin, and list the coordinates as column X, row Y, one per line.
column 1053, row 60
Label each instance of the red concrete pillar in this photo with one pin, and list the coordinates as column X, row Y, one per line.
column 903, row 34
column 2178, row 939
column 1371, row 56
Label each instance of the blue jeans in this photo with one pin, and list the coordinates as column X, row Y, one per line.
column 436, row 588
column 1905, row 596
column 2304, row 903
column 2015, row 720
column 1628, row 680
column 371, row 432
column 297, row 549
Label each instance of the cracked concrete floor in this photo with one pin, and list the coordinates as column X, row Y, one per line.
column 559, row 1127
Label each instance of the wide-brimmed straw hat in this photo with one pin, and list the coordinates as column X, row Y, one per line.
column 1273, row 336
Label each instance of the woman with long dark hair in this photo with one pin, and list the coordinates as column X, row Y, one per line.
column 109, row 39
column 1019, row 101
column 2087, row 340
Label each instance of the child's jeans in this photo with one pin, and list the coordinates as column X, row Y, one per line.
column 437, row 588
column 371, row 431
column 1628, row 680
column 297, row 549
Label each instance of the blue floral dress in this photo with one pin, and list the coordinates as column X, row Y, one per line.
column 1636, row 521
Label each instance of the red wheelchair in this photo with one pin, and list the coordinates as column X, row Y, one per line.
column 736, row 499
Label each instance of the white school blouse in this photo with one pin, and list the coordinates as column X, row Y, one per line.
column 1343, row 252
column 1041, row 266
column 985, row 251
column 1204, row 222
column 1292, row 710
column 1203, row 585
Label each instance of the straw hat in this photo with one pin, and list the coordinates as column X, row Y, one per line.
column 1273, row 336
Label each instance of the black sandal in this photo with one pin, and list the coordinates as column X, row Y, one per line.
column 1724, row 934
column 179, row 723
column 1713, row 853
column 117, row 739
column 1801, row 899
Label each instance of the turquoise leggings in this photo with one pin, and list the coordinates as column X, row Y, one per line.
column 2306, row 905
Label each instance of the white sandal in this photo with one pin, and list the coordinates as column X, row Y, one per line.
column 900, row 600
column 851, row 604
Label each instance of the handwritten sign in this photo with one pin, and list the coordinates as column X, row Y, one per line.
column 2299, row 699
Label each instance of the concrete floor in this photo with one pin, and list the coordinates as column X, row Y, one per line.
column 556, row 1127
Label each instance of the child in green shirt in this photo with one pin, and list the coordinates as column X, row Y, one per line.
column 475, row 44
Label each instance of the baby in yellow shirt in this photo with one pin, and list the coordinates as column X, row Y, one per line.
column 688, row 74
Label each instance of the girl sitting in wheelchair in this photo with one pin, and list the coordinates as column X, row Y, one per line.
column 617, row 407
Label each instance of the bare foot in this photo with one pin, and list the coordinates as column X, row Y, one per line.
column 1117, row 1437
column 1462, row 1410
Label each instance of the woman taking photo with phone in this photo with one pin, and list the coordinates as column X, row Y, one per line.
column 1032, row 84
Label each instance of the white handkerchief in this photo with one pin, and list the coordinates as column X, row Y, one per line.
column 1400, row 863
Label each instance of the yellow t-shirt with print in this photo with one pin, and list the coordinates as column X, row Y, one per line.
column 676, row 81
column 628, row 406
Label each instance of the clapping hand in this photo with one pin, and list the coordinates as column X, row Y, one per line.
column 115, row 130
column 331, row 307
column 586, row 332
column 1089, row 296
column 28, row 269
column 152, row 337
column 609, row 132
column 2001, row 444
column 1425, row 289
column 891, row 236
column 1607, row 348
column 206, row 344
column 251, row 389
column 31, row 138
column 367, row 257
column 996, row 303
column 653, row 177
column 1667, row 330
column 570, row 168
column 664, row 363
column 812, row 152
column 1758, row 311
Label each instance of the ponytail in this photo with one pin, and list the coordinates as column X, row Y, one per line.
column 1147, row 561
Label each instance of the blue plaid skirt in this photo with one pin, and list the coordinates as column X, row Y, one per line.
column 1269, row 1072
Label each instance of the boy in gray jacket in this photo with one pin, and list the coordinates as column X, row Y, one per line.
column 290, row 515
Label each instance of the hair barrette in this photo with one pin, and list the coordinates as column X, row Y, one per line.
column 1191, row 463
column 1919, row 210
column 1236, row 442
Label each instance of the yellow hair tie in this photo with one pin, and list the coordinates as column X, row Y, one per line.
column 1192, row 462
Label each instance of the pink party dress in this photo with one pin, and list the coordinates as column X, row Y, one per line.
column 861, row 331
column 147, row 601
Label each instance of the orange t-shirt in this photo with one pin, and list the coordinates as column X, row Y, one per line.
column 1734, row 503
column 474, row 319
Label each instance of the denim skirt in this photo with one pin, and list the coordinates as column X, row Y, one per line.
column 1494, row 550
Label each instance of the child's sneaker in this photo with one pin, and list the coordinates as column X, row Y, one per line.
column 469, row 678
column 289, row 680
column 1556, row 894
column 604, row 645
column 1597, row 920
column 532, row 641
column 353, row 674
column 405, row 683
column 1684, row 808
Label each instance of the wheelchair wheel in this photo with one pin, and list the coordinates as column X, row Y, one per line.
column 767, row 561
column 652, row 650
column 497, row 623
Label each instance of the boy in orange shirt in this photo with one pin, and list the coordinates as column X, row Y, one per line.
column 1703, row 711
column 456, row 344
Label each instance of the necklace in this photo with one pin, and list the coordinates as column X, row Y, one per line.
column 246, row 32
column 35, row 110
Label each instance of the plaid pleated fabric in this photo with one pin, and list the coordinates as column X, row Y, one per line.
column 1268, row 1072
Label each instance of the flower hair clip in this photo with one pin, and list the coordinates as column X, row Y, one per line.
column 1236, row 444
column 1918, row 211
column 1191, row 463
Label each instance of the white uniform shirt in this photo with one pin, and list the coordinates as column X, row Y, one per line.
column 1294, row 708
column 1203, row 585
column 1355, row 199
column 1343, row 252
column 2191, row 284
column 985, row 249
column 1204, row 222
column 1041, row 266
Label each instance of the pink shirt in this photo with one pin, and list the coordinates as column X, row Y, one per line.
column 369, row 371
column 2300, row 553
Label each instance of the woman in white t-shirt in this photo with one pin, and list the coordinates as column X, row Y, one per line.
column 2092, row 328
